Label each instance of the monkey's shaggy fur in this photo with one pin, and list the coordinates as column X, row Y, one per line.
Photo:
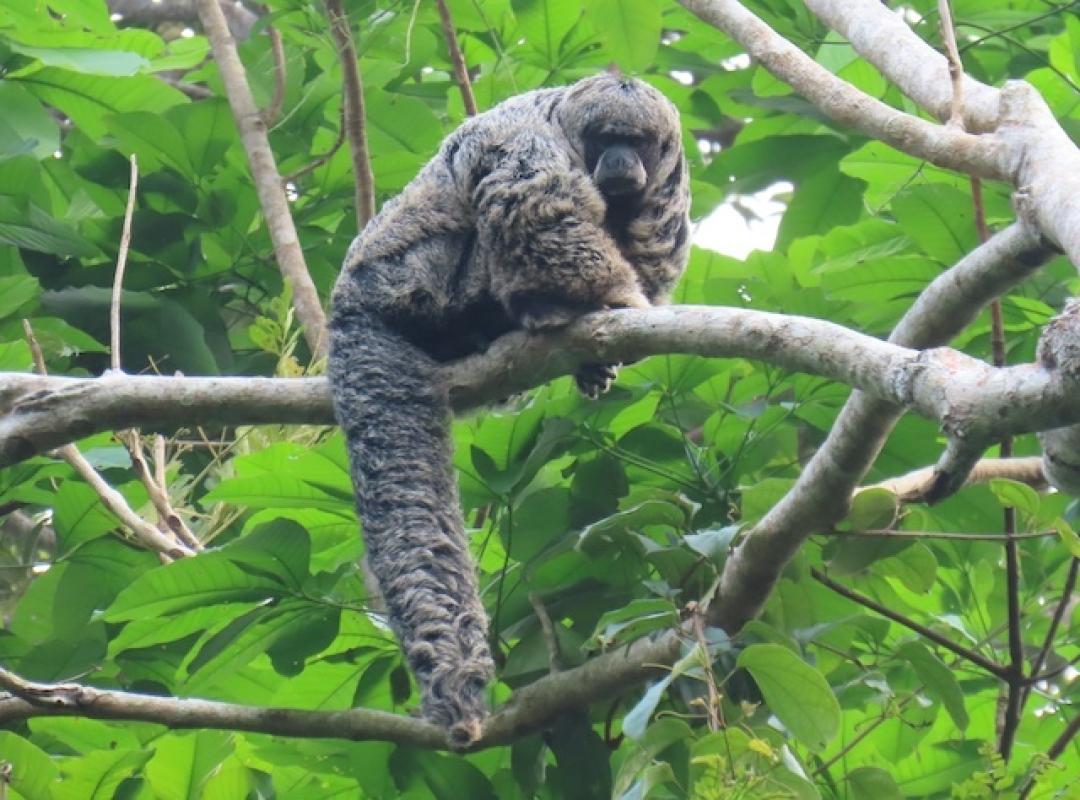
column 505, row 228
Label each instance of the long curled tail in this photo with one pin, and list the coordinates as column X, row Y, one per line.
column 396, row 419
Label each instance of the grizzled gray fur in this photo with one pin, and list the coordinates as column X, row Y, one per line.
column 550, row 205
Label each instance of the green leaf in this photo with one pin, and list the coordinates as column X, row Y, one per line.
column 86, row 60
column 23, row 224
column 279, row 549
column 629, row 29
column 88, row 99
column 872, row 783
column 871, row 509
column 1016, row 495
column 189, row 583
column 273, row 491
column 27, row 118
column 915, row 566
column 32, row 771
column 183, row 762
column 544, row 25
column 1068, row 536
column 939, row 680
column 797, row 694
column 97, row 775
column 939, row 219
column 632, row 621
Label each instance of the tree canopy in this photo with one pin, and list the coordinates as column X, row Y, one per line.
column 745, row 572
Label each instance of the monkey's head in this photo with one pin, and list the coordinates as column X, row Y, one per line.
column 623, row 131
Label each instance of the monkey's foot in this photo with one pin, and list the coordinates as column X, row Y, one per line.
column 595, row 379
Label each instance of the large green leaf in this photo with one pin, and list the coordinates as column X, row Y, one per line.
column 190, row 583
column 797, row 693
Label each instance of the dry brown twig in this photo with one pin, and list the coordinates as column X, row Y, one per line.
column 353, row 122
column 156, row 490
column 457, row 58
column 267, row 179
column 145, row 533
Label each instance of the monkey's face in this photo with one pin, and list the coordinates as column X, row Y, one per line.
column 623, row 130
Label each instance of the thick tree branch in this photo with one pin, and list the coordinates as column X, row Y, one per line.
column 973, row 401
column 264, row 171
column 944, row 146
column 1039, row 157
column 527, row 711
column 147, row 13
column 881, row 36
column 816, row 501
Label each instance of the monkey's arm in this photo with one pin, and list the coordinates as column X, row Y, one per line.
column 540, row 219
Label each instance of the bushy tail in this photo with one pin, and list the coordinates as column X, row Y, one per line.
column 396, row 420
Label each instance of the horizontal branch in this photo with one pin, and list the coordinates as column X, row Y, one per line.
column 527, row 711
column 973, row 401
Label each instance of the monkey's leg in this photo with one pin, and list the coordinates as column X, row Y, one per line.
column 396, row 418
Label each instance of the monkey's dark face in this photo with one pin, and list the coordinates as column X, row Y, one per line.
column 617, row 163
column 625, row 132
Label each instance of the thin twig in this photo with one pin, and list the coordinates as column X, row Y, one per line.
column 1055, row 621
column 956, row 67
column 353, row 103
column 277, row 51
column 461, row 72
column 149, row 536
column 322, row 158
column 974, row 657
column 886, row 533
column 713, row 709
column 551, row 639
column 121, row 265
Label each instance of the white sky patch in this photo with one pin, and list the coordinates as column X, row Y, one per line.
column 187, row 33
column 727, row 230
column 741, row 61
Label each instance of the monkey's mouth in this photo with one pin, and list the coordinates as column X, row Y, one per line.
column 621, row 185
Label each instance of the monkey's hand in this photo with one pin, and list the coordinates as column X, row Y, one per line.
column 595, row 379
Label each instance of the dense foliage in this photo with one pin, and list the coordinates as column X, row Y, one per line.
column 614, row 513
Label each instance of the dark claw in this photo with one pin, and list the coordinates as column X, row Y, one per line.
column 595, row 379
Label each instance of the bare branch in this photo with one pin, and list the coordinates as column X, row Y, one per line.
column 149, row 536
column 353, row 113
column 973, row 401
column 148, row 13
column 268, row 185
column 528, row 710
column 121, row 264
column 816, row 501
column 277, row 51
column 1039, row 158
column 461, row 72
column 966, row 653
column 915, row 486
column 944, row 146
column 956, row 66
column 881, row 36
